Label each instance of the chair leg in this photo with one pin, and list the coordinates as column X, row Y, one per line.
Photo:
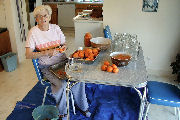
column 146, row 110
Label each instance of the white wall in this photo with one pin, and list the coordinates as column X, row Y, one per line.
column 2, row 14
column 158, row 32
column 12, row 24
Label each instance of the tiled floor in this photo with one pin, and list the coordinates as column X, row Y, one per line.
column 15, row 85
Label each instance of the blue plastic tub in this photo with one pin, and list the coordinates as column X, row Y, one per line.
column 9, row 61
column 45, row 112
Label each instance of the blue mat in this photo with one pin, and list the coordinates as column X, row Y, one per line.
column 106, row 103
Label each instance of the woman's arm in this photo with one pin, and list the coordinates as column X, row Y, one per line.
column 33, row 55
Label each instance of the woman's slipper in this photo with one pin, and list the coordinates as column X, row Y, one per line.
column 85, row 113
column 63, row 117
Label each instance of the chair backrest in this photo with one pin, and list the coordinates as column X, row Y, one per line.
column 36, row 67
column 107, row 32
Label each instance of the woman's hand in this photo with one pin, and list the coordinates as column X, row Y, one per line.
column 51, row 52
column 61, row 49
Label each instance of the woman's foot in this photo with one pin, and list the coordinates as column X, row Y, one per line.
column 85, row 113
column 63, row 117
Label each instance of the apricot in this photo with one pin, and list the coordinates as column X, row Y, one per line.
column 115, row 70
column 91, row 57
column 75, row 55
column 87, row 59
column 81, row 55
column 104, row 67
column 106, row 63
column 95, row 54
column 89, row 50
column 95, row 51
column 91, row 54
column 114, row 66
column 86, row 54
column 109, row 69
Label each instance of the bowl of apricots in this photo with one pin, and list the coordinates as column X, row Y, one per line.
column 86, row 54
column 120, row 58
column 112, row 68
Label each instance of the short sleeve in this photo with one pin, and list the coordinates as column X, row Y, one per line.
column 61, row 35
column 30, row 42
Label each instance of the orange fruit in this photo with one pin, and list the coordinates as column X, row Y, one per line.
column 89, row 50
column 87, row 59
column 60, row 50
column 109, row 69
column 81, row 55
column 104, row 67
column 86, row 54
column 114, row 66
column 115, row 70
column 91, row 54
column 95, row 51
column 75, row 55
column 95, row 54
column 91, row 57
column 106, row 63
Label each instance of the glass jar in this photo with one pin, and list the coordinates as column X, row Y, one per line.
column 87, row 37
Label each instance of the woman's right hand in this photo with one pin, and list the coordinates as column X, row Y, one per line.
column 51, row 52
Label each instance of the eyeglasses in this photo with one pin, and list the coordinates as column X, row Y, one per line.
column 41, row 16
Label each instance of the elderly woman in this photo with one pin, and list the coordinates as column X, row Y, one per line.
column 44, row 38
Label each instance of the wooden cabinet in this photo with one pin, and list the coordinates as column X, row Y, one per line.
column 5, row 45
column 54, row 16
column 81, row 7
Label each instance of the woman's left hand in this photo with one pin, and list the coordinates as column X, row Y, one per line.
column 61, row 49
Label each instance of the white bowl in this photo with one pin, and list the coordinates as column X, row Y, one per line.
column 100, row 42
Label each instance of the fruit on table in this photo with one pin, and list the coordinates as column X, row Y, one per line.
column 114, row 66
column 104, row 67
column 115, row 70
column 106, row 63
column 86, row 54
column 109, row 68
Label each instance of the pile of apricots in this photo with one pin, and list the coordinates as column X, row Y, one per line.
column 87, row 53
column 109, row 68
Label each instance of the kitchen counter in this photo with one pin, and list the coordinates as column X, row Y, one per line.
column 84, row 25
column 72, row 2
column 78, row 18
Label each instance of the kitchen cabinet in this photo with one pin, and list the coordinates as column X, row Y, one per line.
column 81, row 7
column 5, row 45
column 54, row 16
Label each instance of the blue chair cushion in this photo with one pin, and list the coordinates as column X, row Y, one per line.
column 163, row 94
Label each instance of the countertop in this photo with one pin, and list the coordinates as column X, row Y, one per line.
column 78, row 18
column 72, row 2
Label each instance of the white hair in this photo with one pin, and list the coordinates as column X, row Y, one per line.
column 40, row 8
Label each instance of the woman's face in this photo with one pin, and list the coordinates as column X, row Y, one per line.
column 43, row 18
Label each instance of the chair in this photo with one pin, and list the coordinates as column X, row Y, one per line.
column 107, row 32
column 163, row 94
column 38, row 72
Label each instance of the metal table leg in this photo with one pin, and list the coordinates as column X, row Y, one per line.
column 67, row 98
column 142, row 104
column 68, row 89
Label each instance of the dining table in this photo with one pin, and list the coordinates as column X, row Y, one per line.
column 133, row 75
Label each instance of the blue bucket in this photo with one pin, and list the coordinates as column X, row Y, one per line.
column 45, row 112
